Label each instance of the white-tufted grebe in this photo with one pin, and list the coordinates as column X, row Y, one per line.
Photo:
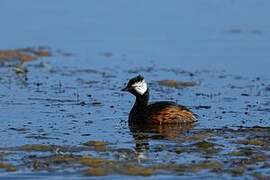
column 162, row 112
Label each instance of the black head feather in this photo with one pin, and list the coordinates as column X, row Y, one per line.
column 132, row 81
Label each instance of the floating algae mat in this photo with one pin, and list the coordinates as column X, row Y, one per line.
column 24, row 54
column 176, row 84
column 221, row 152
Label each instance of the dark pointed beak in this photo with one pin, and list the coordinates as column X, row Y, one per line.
column 125, row 89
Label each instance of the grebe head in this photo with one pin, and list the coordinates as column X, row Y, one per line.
column 136, row 86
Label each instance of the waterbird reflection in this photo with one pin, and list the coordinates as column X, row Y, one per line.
column 143, row 133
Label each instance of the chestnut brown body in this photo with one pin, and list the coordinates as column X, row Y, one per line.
column 163, row 112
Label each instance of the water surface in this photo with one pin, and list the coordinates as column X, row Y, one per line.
column 73, row 96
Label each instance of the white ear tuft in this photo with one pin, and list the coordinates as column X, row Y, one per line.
column 140, row 87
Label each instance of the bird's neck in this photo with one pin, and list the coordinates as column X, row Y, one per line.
column 141, row 101
column 139, row 105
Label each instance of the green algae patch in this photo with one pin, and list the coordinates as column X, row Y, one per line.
column 193, row 167
column 178, row 150
column 66, row 159
column 260, row 176
column 244, row 151
column 37, row 147
column 97, row 145
column 206, row 165
column 103, row 168
column 236, row 153
column 237, row 171
column 136, row 170
column 206, row 147
column 98, row 166
column 259, row 158
column 7, row 167
column 91, row 161
column 211, row 165
column 199, row 136
column 176, row 84
column 96, row 171
column 52, row 162
column 254, row 142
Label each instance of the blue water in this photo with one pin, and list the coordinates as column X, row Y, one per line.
column 226, row 44
column 231, row 35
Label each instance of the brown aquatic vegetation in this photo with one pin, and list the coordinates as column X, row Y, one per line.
column 260, row 176
column 58, row 159
column 194, row 167
column 99, row 171
column 242, row 161
column 97, row 145
column 254, row 142
column 237, row 171
column 36, row 147
column 7, row 167
column 136, row 170
column 199, row 136
column 90, row 161
column 24, row 54
column 101, row 167
column 176, row 84
column 207, row 147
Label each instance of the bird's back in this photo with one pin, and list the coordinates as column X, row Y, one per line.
column 166, row 112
